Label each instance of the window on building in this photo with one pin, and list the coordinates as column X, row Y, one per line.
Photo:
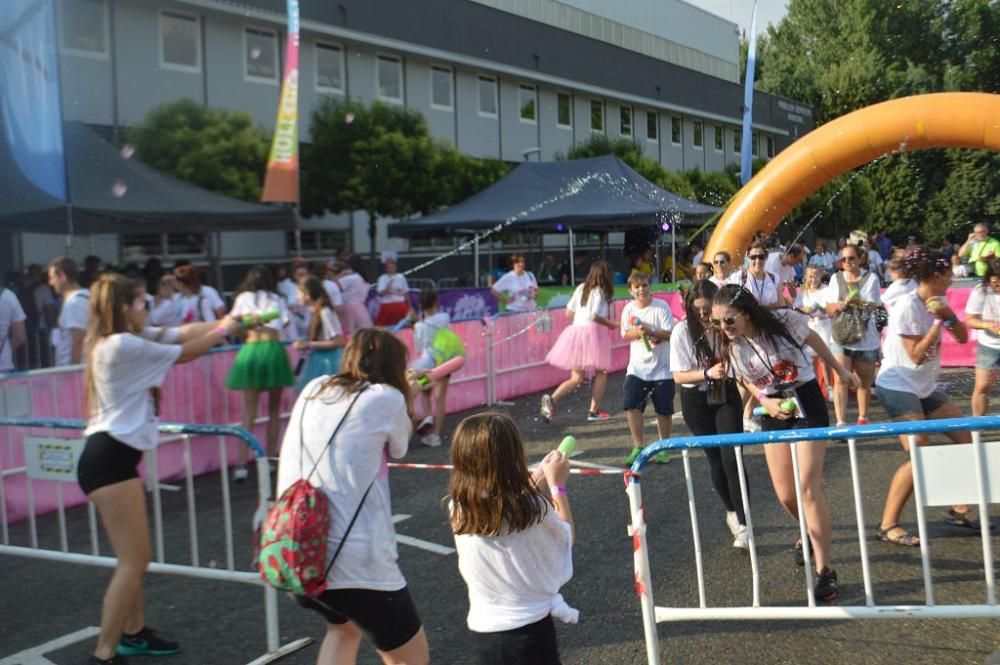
column 329, row 67
column 137, row 246
column 719, row 141
column 389, row 74
column 527, row 98
column 180, row 41
column 699, row 138
column 320, row 242
column 84, row 26
column 652, row 126
column 596, row 115
column 755, row 145
column 564, row 110
column 261, row 54
column 737, row 140
column 770, row 146
column 625, row 121
column 675, row 130
column 488, row 96
column 441, row 88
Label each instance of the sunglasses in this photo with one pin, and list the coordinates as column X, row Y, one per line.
column 758, row 257
column 720, row 262
column 718, row 323
column 849, row 258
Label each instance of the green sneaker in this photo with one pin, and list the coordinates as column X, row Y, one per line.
column 662, row 457
column 632, row 456
column 147, row 642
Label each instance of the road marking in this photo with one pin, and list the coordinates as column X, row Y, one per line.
column 415, row 542
column 34, row 656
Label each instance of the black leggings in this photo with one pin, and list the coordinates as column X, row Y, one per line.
column 704, row 420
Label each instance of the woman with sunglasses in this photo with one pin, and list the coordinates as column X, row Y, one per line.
column 722, row 267
column 696, row 361
column 765, row 351
column 761, row 284
column 983, row 314
column 854, row 287
column 907, row 380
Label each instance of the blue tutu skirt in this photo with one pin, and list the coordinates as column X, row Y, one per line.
column 319, row 363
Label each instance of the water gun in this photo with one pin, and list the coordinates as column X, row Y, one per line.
column 645, row 338
column 567, row 446
column 787, row 406
column 441, row 371
column 249, row 320
column 405, row 322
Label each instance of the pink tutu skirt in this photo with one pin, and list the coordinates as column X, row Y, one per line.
column 355, row 317
column 582, row 347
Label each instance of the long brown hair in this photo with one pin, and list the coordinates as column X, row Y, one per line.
column 490, row 488
column 320, row 299
column 599, row 277
column 372, row 356
column 111, row 296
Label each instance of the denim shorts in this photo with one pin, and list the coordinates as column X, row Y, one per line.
column 898, row 403
column 987, row 357
column 872, row 355
column 636, row 392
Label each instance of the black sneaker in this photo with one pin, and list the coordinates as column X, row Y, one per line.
column 797, row 552
column 114, row 660
column 146, row 641
column 826, row 586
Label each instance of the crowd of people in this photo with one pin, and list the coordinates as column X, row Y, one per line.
column 756, row 334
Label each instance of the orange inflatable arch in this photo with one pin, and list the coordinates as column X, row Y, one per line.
column 940, row 120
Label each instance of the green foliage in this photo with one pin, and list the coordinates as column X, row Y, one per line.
column 222, row 151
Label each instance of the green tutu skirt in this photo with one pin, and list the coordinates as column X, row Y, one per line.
column 261, row 365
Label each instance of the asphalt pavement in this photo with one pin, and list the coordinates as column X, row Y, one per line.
column 224, row 622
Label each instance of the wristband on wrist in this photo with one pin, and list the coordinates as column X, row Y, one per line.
column 558, row 489
column 706, row 375
column 948, row 323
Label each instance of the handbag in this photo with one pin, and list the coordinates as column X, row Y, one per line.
column 849, row 325
column 294, row 537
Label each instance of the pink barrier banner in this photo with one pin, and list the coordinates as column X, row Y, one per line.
column 195, row 392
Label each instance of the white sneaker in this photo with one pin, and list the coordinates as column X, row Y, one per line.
column 431, row 441
column 733, row 522
column 750, row 425
column 425, row 425
column 240, row 474
column 741, row 541
column 548, row 407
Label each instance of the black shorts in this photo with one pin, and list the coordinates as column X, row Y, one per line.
column 105, row 461
column 534, row 644
column 635, row 391
column 387, row 618
column 813, row 404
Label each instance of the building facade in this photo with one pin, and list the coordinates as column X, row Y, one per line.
column 507, row 79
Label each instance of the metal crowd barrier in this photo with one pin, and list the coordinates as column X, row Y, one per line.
column 935, row 469
column 53, row 460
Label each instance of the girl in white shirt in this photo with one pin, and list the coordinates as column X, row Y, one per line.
column 907, row 380
column 125, row 367
column 434, row 396
column 983, row 314
column 722, row 267
column 514, row 536
column 583, row 346
column 765, row 351
column 262, row 364
column 366, row 592
column 354, row 314
column 811, row 300
column 518, row 288
column 324, row 342
column 393, row 293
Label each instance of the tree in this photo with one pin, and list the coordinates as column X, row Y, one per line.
column 630, row 152
column 222, row 151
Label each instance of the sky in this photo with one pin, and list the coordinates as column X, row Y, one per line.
column 740, row 11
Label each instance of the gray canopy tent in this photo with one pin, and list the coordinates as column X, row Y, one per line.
column 595, row 194
column 112, row 192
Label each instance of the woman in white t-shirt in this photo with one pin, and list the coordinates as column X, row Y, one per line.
column 696, row 361
column 514, row 537
column 854, row 287
column 366, row 592
column 393, row 293
column 126, row 364
column 761, row 284
column 192, row 301
column 324, row 342
column 811, row 301
column 354, row 314
column 765, row 351
column 262, row 364
column 983, row 314
column 583, row 346
column 907, row 380
column 518, row 288
column 12, row 332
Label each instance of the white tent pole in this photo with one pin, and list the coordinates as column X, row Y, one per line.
column 673, row 250
column 475, row 260
column 572, row 263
